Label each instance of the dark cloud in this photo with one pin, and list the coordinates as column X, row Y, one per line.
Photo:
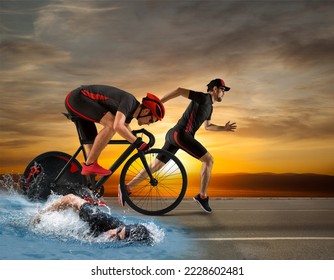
column 20, row 52
column 276, row 55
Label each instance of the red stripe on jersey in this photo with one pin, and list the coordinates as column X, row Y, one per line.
column 190, row 122
column 94, row 96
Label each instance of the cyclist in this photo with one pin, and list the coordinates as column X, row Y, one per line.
column 182, row 135
column 100, row 222
column 114, row 109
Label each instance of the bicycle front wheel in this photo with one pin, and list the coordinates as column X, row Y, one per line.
column 160, row 194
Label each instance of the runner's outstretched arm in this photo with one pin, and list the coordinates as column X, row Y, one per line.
column 179, row 91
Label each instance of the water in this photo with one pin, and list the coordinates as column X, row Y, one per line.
column 62, row 235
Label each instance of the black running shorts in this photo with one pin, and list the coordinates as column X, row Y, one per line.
column 179, row 139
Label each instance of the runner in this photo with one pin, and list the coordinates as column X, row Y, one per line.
column 114, row 109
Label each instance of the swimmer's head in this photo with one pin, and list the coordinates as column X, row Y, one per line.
column 137, row 232
column 131, row 233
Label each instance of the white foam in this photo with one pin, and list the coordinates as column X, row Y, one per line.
column 64, row 225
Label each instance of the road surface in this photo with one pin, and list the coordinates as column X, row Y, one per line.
column 254, row 228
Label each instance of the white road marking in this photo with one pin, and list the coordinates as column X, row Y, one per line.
column 260, row 238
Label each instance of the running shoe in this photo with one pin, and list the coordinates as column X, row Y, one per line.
column 94, row 168
column 204, row 203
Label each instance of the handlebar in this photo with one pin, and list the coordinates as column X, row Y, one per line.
column 147, row 133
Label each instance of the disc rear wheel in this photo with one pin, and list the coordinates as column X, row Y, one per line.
column 39, row 175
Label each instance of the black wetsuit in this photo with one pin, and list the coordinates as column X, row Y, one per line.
column 181, row 136
column 92, row 102
column 98, row 220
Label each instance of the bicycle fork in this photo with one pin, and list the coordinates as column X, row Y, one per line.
column 153, row 181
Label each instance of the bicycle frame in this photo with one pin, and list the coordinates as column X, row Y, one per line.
column 118, row 162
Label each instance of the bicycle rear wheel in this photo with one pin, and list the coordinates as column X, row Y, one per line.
column 39, row 176
column 161, row 195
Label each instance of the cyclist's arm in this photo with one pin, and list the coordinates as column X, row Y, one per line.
column 179, row 91
column 123, row 128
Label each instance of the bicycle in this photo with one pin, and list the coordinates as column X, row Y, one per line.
column 157, row 192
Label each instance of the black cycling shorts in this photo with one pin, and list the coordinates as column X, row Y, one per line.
column 179, row 139
column 84, row 107
column 87, row 111
column 98, row 220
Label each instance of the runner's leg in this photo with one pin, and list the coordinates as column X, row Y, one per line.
column 207, row 164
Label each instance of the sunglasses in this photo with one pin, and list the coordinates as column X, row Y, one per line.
column 152, row 118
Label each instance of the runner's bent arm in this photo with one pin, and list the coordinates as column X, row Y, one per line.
column 179, row 91
column 122, row 128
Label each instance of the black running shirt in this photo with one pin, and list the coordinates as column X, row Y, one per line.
column 198, row 111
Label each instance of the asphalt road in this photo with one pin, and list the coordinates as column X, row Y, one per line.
column 255, row 228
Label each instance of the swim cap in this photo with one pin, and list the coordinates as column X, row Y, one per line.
column 137, row 232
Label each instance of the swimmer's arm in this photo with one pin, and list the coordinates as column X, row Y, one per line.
column 37, row 218
column 67, row 201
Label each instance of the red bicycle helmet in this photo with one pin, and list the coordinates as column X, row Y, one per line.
column 153, row 103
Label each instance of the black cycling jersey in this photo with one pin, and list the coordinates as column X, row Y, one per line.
column 92, row 102
column 181, row 136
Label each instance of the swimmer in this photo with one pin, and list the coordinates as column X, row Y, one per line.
column 100, row 223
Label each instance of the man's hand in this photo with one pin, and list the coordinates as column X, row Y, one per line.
column 230, row 126
column 141, row 145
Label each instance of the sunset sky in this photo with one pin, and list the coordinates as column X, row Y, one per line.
column 277, row 57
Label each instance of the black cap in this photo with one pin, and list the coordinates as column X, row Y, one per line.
column 218, row 83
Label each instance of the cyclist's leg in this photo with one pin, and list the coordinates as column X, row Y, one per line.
column 103, row 137
column 90, row 110
column 88, row 132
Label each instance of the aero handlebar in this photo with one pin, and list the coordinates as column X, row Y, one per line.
column 147, row 133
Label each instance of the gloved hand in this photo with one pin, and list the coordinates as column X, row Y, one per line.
column 141, row 145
